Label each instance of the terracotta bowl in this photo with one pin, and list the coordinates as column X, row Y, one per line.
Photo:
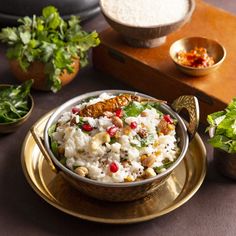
column 129, row 190
column 148, row 37
column 13, row 126
column 214, row 49
column 36, row 72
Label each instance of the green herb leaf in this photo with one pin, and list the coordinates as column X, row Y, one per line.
column 25, row 37
column 133, row 109
column 220, row 141
column 51, row 40
column 225, row 128
column 166, row 165
column 9, row 35
column 14, row 102
column 63, row 161
column 51, row 130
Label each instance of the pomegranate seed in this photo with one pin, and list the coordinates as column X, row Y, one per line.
column 87, row 127
column 75, row 110
column 119, row 113
column 112, row 131
column 133, row 125
column 168, row 119
column 113, row 167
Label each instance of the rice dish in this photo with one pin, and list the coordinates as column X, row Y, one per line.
column 115, row 139
column 144, row 13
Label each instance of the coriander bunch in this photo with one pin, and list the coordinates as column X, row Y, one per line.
column 50, row 40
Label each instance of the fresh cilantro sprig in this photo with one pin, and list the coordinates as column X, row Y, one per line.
column 50, row 40
column 166, row 165
column 135, row 108
column 14, row 102
column 224, row 123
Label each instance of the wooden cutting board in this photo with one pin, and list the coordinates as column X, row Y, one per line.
column 151, row 70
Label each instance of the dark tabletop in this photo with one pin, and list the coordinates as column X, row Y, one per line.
column 211, row 211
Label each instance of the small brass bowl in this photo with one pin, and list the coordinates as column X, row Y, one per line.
column 12, row 126
column 214, row 49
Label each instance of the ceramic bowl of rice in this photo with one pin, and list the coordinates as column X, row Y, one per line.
column 146, row 23
column 117, row 145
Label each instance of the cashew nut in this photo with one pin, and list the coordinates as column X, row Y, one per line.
column 97, row 140
column 148, row 161
column 82, row 171
column 117, row 121
column 108, row 114
column 149, row 172
column 144, row 114
column 129, row 178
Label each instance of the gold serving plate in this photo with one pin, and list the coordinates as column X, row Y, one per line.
column 178, row 189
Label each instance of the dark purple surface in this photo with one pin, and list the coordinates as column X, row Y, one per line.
column 11, row 10
column 211, row 211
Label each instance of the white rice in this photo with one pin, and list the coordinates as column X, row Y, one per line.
column 78, row 153
column 146, row 12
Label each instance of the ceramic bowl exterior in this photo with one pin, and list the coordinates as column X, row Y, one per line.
column 147, row 37
column 36, row 71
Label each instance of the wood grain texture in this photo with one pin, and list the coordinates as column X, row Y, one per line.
column 152, row 71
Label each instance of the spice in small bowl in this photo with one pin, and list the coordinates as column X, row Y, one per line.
column 197, row 56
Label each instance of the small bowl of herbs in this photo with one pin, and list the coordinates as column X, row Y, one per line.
column 48, row 49
column 222, row 132
column 16, row 105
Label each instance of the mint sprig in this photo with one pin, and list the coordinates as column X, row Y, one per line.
column 224, row 123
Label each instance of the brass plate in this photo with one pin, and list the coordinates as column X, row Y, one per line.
column 178, row 189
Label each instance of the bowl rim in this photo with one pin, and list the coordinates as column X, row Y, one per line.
column 80, row 98
column 23, row 117
column 194, row 68
column 188, row 14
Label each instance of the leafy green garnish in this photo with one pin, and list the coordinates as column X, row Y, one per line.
column 53, row 144
column 14, row 102
column 81, row 122
column 50, row 40
column 166, row 165
column 63, row 161
column 155, row 105
column 54, row 147
column 135, row 108
column 113, row 140
column 224, row 123
column 148, row 140
column 51, row 130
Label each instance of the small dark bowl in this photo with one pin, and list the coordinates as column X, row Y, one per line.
column 147, row 37
column 215, row 50
column 12, row 126
column 225, row 162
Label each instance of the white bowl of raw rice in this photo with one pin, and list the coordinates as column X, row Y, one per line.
column 117, row 145
column 146, row 23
